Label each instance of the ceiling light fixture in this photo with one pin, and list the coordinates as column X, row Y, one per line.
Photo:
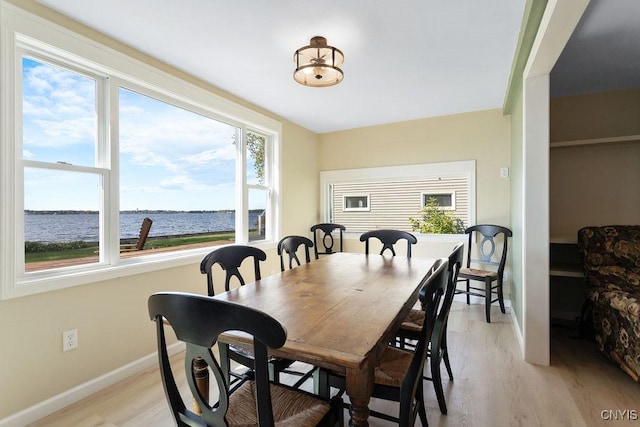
column 318, row 65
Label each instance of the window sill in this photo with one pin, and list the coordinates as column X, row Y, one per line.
column 68, row 277
column 441, row 237
column 421, row 237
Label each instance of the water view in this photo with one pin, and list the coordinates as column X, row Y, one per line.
column 53, row 227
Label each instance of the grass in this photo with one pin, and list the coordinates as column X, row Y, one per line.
column 188, row 240
column 151, row 243
column 59, row 255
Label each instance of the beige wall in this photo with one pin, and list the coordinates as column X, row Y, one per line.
column 111, row 316
column 113, row 330
column 301, row 181
column 594, row 184
column 482, row 136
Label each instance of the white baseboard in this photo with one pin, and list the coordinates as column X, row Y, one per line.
column 507, row 305
column 64, row 399
column 517, row 332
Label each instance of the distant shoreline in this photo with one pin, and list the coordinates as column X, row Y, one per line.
column 146, row 212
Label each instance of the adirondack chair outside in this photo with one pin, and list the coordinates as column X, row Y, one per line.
column 142, row 237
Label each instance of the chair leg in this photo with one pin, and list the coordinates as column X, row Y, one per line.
column 468, row 295
column 274, row 374
column 225, row 364
column 487, row 299
column 500, row 298
column 447, row 364
column 445, row 355
column 421, row 408
column 321, row 383
column 436, row 378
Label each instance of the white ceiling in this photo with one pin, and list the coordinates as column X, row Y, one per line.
column 404, row 59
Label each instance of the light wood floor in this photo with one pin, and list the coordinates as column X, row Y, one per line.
column 493, row 386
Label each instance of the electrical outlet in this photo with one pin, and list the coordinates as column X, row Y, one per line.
column 70, row 339
column 504, row 172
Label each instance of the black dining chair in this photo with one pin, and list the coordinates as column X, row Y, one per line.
column 388, row 239
column 438, row 351
column 230, row 258
column 398, row 377
column 289, row 246
column 325, row 233
column 487, row 236
column 197, row 321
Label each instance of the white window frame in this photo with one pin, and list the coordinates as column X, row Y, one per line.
column 424, row 196
column 464, row 168
column 101, row 167
column 267, row 186
column 366, row 208
column 21, row 28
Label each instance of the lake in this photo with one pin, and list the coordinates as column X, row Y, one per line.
column 70, row 227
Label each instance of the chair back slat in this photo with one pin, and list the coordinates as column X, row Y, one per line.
column 198, row 320
column 431, row 293
column 326, row 240
column 230, row 258
column 289, row 246
column 388, row 238
column 487, row 245
column 455, row 261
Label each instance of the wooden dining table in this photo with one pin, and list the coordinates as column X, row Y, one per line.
column 340, row 312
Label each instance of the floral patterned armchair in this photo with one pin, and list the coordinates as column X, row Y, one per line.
column 611, row 260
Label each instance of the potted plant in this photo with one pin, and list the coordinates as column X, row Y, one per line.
column 434, row 220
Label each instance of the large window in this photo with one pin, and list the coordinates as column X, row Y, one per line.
column 92, row 147
column 386, row 197
column 178, row 168
column 62, row 178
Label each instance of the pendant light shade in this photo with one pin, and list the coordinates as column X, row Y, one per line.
column 318, row 64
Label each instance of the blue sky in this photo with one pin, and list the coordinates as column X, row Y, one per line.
column 170, row 158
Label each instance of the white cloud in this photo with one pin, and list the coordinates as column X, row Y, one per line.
column 154, row 134
column 209, row 157
column 60, row 133
column 182, row 182
column 169, row 157
column 58, row 108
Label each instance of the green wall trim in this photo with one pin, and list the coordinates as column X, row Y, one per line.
column 533, row 11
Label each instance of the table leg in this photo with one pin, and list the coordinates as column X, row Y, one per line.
column 201, row 376
column 359, row 389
